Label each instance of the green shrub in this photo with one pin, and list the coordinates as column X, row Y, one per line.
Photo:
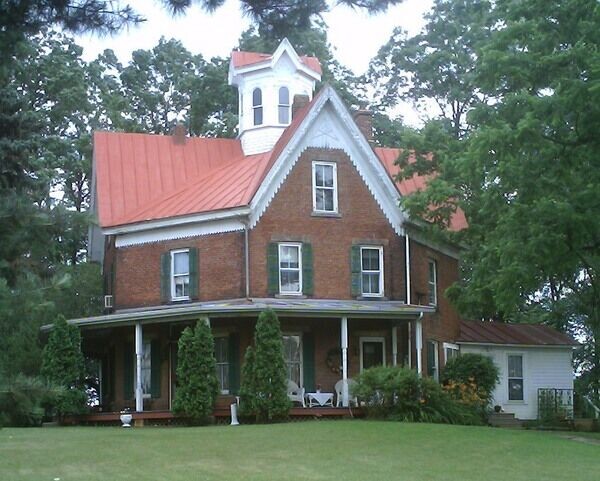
column 400, row 394
column 268, row 375
column 23, row 401
column 247, row 387
column 475, row 375
column 197, row 383
column 63, row 366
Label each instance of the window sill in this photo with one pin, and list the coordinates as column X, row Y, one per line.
column 516, row 403
column 182, row 300
column 372, row 298
column 335, row 215
column 290, row 296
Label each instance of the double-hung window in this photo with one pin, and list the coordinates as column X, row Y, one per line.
column 146, row 369
column 450, row 351
column 324, row 176
column 290, row 268
column 257, row 106
column 292, row 354
column 222, row 358
column 515, row 377
column 371, row 259
column 432, row 283
column 180, row 274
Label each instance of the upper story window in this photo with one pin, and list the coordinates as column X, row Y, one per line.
column 284, row 105
column 257, row 106
column 324, row 176
column 432, row 283
column 371, row 261
column 180, row 274
column 290, row 268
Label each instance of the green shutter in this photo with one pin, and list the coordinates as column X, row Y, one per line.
column 234, row 363
column 155, row 366
column 308, row 286
column 355, row 269
column 165, row 277
column 273, row 268
column 308, row 361
column 194, row 261
column 128, row 356
column 430, row 358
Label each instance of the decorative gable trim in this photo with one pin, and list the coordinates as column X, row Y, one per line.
column 328, row 124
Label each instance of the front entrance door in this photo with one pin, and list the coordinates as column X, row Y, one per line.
column 372, row 352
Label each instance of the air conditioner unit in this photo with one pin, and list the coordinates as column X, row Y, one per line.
column 108, row 302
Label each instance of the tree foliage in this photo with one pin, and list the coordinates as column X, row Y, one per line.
column 526, row 171
column 470, row 368
column 197, row 384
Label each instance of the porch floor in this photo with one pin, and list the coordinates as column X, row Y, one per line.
column 221, row 415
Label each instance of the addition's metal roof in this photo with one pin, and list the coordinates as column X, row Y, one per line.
column 480, row 332
column 252, row 307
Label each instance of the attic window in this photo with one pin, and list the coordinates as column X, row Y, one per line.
column 257, row 106
column 284, row 105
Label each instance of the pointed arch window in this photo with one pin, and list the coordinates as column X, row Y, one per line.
column 257, row 106
column 284, row 105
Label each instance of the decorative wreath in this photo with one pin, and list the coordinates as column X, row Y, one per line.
column 333, row 359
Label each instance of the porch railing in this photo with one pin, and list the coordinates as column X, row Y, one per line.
column 555, row 405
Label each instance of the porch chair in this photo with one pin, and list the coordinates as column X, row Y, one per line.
column 339, row 392
column 295, row 393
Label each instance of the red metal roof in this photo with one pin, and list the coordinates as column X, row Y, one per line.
column 416, row 183
column 243, row 59
column 479, row 332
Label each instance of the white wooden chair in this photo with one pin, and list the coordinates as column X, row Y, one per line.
column 295, row 393
column 339, row 386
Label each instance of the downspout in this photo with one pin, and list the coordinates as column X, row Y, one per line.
column 407, row 259
column 246, row 260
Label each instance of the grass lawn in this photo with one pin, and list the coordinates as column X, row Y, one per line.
column 312, row 451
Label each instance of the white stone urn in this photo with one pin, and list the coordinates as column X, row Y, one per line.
column 126, row 418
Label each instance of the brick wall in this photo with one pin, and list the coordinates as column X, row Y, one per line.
column 290, row 217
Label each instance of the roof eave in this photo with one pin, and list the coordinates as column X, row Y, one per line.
column 518, row 345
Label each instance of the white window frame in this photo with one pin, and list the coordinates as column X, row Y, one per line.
column 315, row 187
column 301, row 347
column 228, row 363
column 381, row 283
column 436, row 358
column 146, row 343
column 173, row 275
column 280, row 105
column 449, row 346
column 522, row 378
column 432, row 284
column 279, row 268
column 379, row 339
column 256, row 107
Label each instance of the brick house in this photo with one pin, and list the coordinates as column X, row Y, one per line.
column 299, row 213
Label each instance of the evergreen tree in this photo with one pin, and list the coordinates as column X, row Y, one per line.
column 269, row 373
column 197, row 384
column 247, row 388
column 63, row 366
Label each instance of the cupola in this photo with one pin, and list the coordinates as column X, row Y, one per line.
column 266, row 87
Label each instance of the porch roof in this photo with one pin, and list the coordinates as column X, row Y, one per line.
column 253, row 306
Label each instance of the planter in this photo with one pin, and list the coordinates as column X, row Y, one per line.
column 126, row 420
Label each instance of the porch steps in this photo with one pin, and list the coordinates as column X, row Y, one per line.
column 504, row 420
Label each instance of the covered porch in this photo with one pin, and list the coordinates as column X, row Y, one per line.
column 325, row 342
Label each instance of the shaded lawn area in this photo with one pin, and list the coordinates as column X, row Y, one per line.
column 316, row 450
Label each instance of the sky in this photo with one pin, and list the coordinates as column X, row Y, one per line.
column 355, row 36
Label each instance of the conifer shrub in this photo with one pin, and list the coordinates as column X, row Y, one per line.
column 63, row 367
column 247, row 388
column 265, row 383
column 197, row 383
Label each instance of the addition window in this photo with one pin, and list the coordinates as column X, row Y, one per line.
column 284, row 105
column 432, row 283
column 292, row 354
column 515, row 377
column 371, row 261
column 222, row 358
column 325, row 187
column 180, row 274
column 372, row 352
column 257, row 106
column 290, row 268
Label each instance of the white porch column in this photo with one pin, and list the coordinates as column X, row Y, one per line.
column 419, row 345
column 139, row 397
column 344, row 344
column 394, row 346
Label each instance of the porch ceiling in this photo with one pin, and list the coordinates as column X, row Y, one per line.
column 253, row 306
